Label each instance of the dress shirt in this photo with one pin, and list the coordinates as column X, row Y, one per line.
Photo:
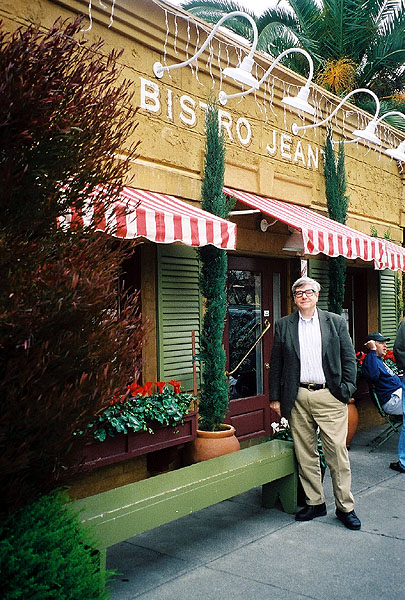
column 309, row 334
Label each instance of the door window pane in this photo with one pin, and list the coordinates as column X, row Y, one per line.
column 245, row 326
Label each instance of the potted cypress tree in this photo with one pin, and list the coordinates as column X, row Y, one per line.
column 214, row 397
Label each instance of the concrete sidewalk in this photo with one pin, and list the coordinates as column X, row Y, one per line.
column 238, row 550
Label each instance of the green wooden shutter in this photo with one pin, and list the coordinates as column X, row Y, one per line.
column 388, row 305
column 179, row 313
column 319, row 270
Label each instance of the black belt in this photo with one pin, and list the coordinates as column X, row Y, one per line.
column 313, row 387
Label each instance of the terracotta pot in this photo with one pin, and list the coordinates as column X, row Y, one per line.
column 210, row 444
column 353, row 421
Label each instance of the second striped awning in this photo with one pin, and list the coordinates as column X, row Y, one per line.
column 321, row 234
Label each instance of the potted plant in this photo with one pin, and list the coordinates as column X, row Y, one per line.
column 139, row 422
column 214, row 396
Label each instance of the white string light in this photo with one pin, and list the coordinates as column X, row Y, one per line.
column 175, row 36
column 272, row 97
column 103, row 6
column 112, row 13
column 90, row 20
column 167, row 37
column 188, row 37
column 284, row 106
column 209, row 62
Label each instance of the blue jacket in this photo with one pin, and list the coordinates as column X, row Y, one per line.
column 376, row 372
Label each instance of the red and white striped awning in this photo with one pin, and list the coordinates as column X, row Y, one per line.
column 159, row 218
column 321, row 234
column 395, row 256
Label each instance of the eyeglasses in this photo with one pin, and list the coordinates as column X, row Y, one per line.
column 308, row 293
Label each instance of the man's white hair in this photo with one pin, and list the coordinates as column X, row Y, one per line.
column 305, row 281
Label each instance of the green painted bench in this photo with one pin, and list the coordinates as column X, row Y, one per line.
column 121, row 513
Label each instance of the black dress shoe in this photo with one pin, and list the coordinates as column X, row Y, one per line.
column 310, row 512
column 397, row 467
column 349, row 520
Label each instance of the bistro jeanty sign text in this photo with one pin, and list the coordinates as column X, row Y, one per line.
column 159, row 99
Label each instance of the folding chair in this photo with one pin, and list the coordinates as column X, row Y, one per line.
column 394, row 423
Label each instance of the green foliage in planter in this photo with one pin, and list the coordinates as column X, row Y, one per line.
column 46, row 554
column 141, row 412
column 337, row 202
column 214, row 398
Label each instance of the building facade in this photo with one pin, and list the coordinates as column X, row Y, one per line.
column 273, row 175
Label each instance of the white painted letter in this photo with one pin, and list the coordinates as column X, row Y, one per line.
column 272, row 149
column 243, row 123
column 285, row 148
column 152, row 94
column 312, row 157
column 299, row 154
column 188, row 110
column 225, row 121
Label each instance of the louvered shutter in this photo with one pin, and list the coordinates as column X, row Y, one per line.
column 179, row 313
column 388, row 305
column 319, row 270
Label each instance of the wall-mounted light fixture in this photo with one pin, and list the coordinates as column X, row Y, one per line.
column 242, row 74
column 264, row 224
column 397, row 153
column 294, row 242
column 300, row 101
column 295, row 128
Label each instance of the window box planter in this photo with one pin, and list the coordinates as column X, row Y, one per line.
column 124, row 446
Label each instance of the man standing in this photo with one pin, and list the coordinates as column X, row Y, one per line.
column 388, row 386
column 312, row 377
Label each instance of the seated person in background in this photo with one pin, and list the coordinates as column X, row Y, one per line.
column 387, row 386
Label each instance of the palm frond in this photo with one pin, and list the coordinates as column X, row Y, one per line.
column 212, row 12
column 276, row 38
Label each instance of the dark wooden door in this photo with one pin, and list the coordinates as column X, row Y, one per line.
column 355, row 303
column 256, row 295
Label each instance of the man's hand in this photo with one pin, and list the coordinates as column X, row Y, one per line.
column 371, row 345
column 276, row 407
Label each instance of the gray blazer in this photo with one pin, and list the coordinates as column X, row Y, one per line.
column 338, row 359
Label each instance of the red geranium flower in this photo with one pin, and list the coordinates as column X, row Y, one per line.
column 176, row 386
column 360, row 356
column 134, row 388
column 160, row 385
column 147, row 388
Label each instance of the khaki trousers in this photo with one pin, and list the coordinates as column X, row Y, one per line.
column 320, row 409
